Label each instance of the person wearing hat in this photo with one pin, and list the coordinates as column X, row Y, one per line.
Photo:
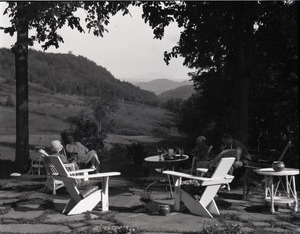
column 201, row 149
column 57, row 149
column 81, row 154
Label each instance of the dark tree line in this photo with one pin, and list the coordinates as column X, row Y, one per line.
column 245, row 56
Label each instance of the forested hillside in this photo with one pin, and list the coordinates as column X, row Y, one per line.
column 183, row 92
column 70, row 74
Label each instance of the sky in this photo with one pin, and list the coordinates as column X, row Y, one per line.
column 128, row 51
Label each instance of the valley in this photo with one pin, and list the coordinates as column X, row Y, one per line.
column 48, row 112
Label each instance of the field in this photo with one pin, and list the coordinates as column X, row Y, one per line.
column 48, row 113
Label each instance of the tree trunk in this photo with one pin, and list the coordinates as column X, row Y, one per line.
column 243, row 57
column 22, row 132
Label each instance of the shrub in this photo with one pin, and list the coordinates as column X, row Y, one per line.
column 136, row 151
column 86, row 132
column 221, row 229
column 160, row 132
column 117, row 156
column 118, row 230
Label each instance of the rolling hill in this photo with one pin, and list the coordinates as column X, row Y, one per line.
column 159, row 86
column 182, row 92
column 70, row 74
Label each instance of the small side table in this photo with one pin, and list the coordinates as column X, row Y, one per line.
column 159, row 160
column 288, row 194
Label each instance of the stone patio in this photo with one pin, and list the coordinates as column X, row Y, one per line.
column 26, row 208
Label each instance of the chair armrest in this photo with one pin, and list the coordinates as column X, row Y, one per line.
column 71, row 179
column 98, row 175
column 184, row 175
column 80, row 171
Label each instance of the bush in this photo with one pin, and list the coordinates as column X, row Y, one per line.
column 86, row 132
column 160, row 132
column 137, row 153
column 116, row 156
column 118, row 230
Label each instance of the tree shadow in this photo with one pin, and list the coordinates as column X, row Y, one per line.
column 258, row 209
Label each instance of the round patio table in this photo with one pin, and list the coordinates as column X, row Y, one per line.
column 280, row 191
column 161, row 162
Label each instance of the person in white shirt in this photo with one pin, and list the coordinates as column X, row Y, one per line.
column 81, row 154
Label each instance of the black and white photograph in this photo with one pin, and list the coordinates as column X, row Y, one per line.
column 149, row 117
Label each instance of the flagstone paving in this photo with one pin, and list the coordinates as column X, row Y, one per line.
column 26, row 208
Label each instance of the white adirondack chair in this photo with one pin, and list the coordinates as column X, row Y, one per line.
column 81, row 202
column 206, row 206
column 52, row 183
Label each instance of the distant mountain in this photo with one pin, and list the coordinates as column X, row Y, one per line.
column 146, row 77
column 70, row 74
column 183, row 92
column 159, row 86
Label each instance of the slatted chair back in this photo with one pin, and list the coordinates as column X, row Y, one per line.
column 206, row 205
column 214, row 162
column 50, row 171
column 82, row 201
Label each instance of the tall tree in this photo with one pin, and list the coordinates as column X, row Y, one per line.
column 220, row 40
column 101, row 107
column 46, row 18
column 21, row 57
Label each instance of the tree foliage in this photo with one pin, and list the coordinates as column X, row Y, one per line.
column 47, row 18
column 245, row 55
column 101, row 107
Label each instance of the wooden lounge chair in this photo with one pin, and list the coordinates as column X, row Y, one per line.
column 205, row 166
column 52, row 183
column 82, row 201
column 36, row 163
column 206, row 206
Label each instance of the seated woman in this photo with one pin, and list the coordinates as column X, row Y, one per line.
column 81, row 154
column 201, row 150
column 58, row 149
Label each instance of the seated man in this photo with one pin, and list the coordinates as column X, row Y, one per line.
column 81, row 154
column 242, row 158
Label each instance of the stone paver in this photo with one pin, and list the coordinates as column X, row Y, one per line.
column 125, row 201
column 24, row 215
column 34, row 228
column 25, row 207
column 61, row 218
column 175, row 222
